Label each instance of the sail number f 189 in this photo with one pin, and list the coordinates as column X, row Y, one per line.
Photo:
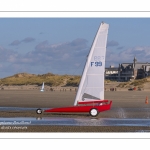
column 96, row 64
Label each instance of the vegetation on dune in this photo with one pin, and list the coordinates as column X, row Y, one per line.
column 137, row 82
column 124, row 84
column 109, row 81
column 73, row 81
column 60, row 80
column 49, row 79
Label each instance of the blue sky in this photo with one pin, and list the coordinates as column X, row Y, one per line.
column 60, row 45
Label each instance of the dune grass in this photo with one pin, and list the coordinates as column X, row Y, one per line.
column 48, row 79
column 134, row 83
column 59, row 80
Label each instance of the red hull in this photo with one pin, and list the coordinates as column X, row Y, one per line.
column 99, row 105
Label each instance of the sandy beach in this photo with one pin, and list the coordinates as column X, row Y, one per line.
column 49, row 99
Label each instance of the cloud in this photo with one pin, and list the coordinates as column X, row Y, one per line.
column 121, row 47
column 25, row 40
column 126, row 56
column 42, row 46
column 1, row 66
column 57, row 58
column 15, row 43
column 112, row 43
column 78, row 42
column 65, row 58
column 28, row 39
column 6, row 54
column 59, row 49
column 2, row 48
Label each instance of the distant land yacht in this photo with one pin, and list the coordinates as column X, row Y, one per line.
column 42, row 89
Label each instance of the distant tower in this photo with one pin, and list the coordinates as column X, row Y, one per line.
column 119, row 70
column 134, row 61
column 134, row 71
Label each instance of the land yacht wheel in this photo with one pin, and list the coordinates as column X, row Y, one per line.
column 39, row 111
column 93, row 112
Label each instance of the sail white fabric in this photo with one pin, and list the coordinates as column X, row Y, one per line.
column 91, row 86
column 42, row 89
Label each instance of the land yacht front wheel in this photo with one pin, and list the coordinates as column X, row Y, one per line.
column 93, row 112
column 39, row 111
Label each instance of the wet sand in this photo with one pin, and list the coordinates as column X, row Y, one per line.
column 49, row 99
column 75, row 129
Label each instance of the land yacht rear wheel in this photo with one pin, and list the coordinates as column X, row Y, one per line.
column 39, row 111
column 93, row 112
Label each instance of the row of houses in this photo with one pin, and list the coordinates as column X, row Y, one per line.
column 128, row 71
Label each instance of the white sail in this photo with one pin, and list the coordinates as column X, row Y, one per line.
column 91, row 86
column 42, row 89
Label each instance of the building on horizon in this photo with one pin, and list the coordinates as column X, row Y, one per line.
column 128, row 71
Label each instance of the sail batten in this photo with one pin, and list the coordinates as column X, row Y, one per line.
column 92, row 80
